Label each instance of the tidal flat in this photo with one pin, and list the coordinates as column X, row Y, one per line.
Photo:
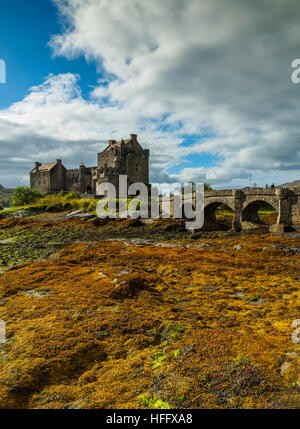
column 131, row 315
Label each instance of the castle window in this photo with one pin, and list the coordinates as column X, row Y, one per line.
column 137, row 167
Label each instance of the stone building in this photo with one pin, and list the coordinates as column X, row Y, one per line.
column 125, row 157
column 48, row 178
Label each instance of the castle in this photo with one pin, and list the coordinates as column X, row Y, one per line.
column 125, row 157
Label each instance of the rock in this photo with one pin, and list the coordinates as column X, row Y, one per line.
column 188, row 349
column 102, row 276
column 86, row 216
column 138, row 242
column 37, row 293
column 293, row 249
column 238, row 247
column 210, row 288
column 22, row 214
column 168, row 245
column 199, row 246
column 81, row 214
column 123, row 273
column 295, row 334
column 292, row 354
column 147, row 221
column 285, row 367
column 76, row 213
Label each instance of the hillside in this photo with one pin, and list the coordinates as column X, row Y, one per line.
column 294, row 184
column 5, row 195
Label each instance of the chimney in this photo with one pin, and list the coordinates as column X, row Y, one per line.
column 111, row 142
column 58, row 161
column 133, row 137
column 37, row 166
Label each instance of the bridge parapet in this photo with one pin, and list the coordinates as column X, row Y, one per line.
column 217, row 193
column 262, row 192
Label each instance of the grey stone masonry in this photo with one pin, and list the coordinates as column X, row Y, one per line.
column 126, row 157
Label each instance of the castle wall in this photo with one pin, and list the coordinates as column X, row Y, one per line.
column 72, row 180
column 58, row 178
column 81, row 179
column 137, row 167
column 85, row 179
column 41, row 181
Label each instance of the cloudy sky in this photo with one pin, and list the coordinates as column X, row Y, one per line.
column 206, row 84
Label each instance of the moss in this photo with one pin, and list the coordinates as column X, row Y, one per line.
column 181, row 325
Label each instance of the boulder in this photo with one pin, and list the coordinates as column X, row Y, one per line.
column 81, row 214
column 22, row 214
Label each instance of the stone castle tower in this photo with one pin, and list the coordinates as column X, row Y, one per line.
column 125, row 157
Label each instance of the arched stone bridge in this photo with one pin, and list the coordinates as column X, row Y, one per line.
column 246, row 202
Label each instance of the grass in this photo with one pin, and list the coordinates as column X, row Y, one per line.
column 58, row 202
column 52, row 203
column 262, row 212
column 153, row 402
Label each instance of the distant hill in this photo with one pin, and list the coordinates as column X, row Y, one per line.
column 5, row 195
column 294, row 184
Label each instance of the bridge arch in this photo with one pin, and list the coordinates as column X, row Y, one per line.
column 219, row 201
column 211, row 222
column 252, row 207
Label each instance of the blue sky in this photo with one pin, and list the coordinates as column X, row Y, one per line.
column 25, row 30
column 213, row 104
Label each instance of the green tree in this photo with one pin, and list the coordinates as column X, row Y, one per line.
column 24, row 195
column 207, row 187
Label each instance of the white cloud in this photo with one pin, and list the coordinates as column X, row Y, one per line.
column 172, row 68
